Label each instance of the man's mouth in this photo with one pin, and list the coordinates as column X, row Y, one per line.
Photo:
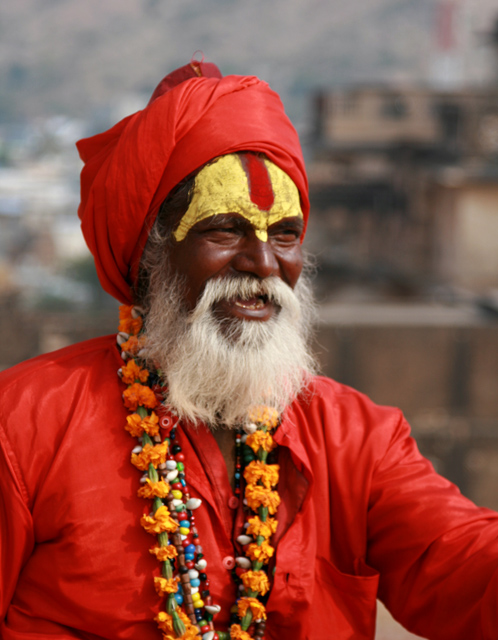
column 257, row 302
column 258, row 307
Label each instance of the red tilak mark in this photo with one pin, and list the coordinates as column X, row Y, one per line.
column 260, row 187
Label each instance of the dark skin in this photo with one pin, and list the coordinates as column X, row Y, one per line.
column 226, row 245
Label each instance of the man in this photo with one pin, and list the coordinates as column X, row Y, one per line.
column 271, row 503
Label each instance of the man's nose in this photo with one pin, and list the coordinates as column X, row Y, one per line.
column 257, row 258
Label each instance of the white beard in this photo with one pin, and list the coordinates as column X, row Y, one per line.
column 217, row 370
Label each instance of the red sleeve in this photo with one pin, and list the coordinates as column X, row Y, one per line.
column 437, row 553
column 16, row 525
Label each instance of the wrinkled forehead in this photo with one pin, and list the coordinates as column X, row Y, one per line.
column 247, row 184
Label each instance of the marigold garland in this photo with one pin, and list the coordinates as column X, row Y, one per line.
column 143, row 397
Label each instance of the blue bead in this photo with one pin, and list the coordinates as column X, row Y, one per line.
column 183, row 483
column 185, row 523
column 190, row 548
column 195, row 582
column 179, row 598
column 189, row 556
column 237, row 475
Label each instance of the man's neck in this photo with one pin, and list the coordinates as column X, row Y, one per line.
column 226, row 442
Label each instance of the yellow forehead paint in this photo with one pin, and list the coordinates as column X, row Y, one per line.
column 238, row 184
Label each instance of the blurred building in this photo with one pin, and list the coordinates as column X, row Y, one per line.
column 404, row 185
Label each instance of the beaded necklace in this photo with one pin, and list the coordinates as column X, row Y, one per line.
column 183, row 582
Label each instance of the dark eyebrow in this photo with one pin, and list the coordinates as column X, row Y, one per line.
column 222, row 219
column 295, row 223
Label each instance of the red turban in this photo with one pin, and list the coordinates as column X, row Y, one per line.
column 130, row 169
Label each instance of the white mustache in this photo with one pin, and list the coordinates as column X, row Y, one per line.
column 246, row 287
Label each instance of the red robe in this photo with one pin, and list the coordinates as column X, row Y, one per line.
column 362, row 515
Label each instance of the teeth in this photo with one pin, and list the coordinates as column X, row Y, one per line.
column 259, row 303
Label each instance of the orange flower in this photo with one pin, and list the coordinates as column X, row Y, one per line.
column 237, row 633
column 138, row 395
column 256, row 581
column 163, row 585
column 260, row 553
column 133, row 345
column 164, row 553
column 267, row 473
column 154, row 455
column 165, row 623
column 257, row 496
column 150, row 424
column 259, row 528
column 127, row 323
column 260, row 440
column 256, row 607
column 132, row 372
column 266, row 416
column 136, row 426
column 159, row 522
column 154, row 489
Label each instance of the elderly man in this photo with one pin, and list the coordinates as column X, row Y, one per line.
column 260, row 501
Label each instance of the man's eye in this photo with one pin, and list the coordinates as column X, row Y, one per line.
column 286, row 235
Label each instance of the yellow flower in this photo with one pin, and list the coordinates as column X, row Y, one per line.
column 132, row 372
column 266, row 473
column 257, row 496
column 266, row 416
column 260, row 553
column 154, row 455
column 256, row 581
column 259, row 528
column 154, row 489
column 138, row 395
column 159, row 522
column 164, row 553
column 237, row 633
column 260, row 440
column 163, row 585
column 256, row 607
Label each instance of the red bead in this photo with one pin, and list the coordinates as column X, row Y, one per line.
column 238, row 465
column 208, row 600
column 177, row 485
column 180, row 457
column 239, row 571
column 187, row 541
column 183, row 514
column 205, row 584
column 170, row 457
column 205, row 628
column 190, row 564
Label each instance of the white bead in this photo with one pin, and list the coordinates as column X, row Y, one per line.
column 193, row 503
column 209, row 635
column 193, row 574
column 213, row 609
column 244, row 438
column 245, row 563
column 172, row 475
column 136, row 312
column 175, row 502
column 194, row 590
column 182, row 537
column 170, row 464
column 201, row 565
column 243, row 540
column 136, row 449
column 250, row 428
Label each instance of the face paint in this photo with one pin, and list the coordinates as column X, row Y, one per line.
column 246, row 184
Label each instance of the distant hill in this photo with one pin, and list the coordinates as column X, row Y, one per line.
column 73, row 56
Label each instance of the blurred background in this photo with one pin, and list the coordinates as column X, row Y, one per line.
column 396, row 102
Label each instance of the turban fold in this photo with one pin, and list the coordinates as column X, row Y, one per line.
column 130, row 169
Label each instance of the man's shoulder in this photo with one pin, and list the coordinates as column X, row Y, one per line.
column 344, row 413
column 57, row 365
